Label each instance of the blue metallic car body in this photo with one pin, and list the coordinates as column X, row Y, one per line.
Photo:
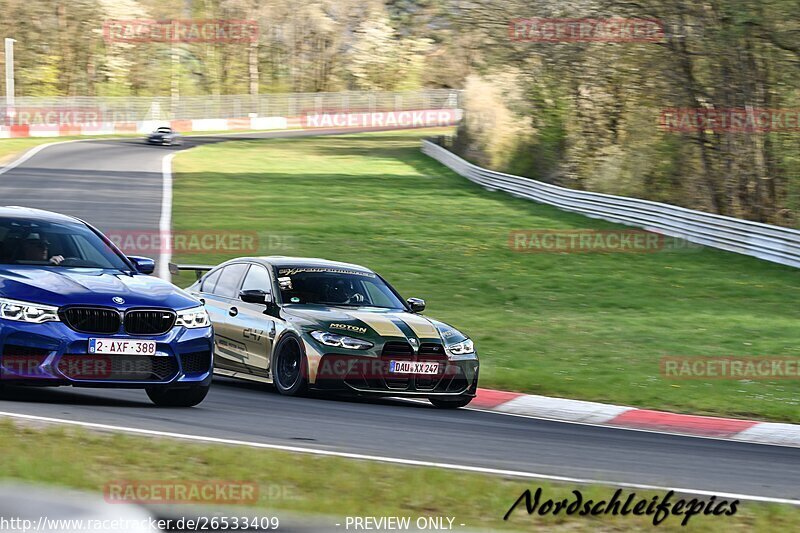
column 112, row 289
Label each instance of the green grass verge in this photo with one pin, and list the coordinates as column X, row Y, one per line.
column 588, row 326
column 335, row 487
column 10, row 149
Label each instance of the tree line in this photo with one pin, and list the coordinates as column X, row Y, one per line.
column 583, row 113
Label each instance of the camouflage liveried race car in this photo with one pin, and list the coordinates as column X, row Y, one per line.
column 305, row 323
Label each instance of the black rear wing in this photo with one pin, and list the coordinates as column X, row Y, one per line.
column 199, row 270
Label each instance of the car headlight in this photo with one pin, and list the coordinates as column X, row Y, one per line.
column 27, row 312
column 196, row 317
column 341, row 341
column 465, row 347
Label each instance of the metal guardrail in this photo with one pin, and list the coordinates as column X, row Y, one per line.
column 764, row 241
column 136, row 108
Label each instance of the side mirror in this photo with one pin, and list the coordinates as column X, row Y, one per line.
column 144, row 265
column 256, row 296
column 417, row 305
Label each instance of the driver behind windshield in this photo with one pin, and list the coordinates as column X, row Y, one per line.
column 331, row 286
column 341, row 291
column 63, row 244
column 36, row 248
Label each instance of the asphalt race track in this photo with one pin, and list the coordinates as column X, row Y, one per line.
column 118, row 184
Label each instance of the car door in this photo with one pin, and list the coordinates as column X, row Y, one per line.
column 222, row 304
column 255, row 328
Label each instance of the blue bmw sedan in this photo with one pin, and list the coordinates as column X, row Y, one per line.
column 75, row 311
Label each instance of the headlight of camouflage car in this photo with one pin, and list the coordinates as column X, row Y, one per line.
column 341, row 341
column 460, row 348
column 456, row 344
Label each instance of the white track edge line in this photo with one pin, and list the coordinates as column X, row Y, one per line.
column 36, row 149
column 165, row 226
column 32, row 152
column 395, row 460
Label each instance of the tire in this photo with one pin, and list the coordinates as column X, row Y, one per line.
column 290, row 367
column 450, row 403
column 185, row 397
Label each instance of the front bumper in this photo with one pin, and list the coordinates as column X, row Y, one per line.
column 371, row 375
column 52, row 354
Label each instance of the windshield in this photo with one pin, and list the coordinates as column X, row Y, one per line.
column 58, row 244
column 164, row 130
column 335, row 286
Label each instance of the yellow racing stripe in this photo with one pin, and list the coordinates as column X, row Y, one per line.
column 382, row 324
column 419, row 325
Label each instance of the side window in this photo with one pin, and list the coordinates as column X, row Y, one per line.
column 211, row 281
column 257, row 279
column 228, row 284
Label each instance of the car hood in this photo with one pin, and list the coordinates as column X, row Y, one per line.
column 82, row 286
column 371, row 323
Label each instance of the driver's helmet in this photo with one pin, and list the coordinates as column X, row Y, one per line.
column 338, row 291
